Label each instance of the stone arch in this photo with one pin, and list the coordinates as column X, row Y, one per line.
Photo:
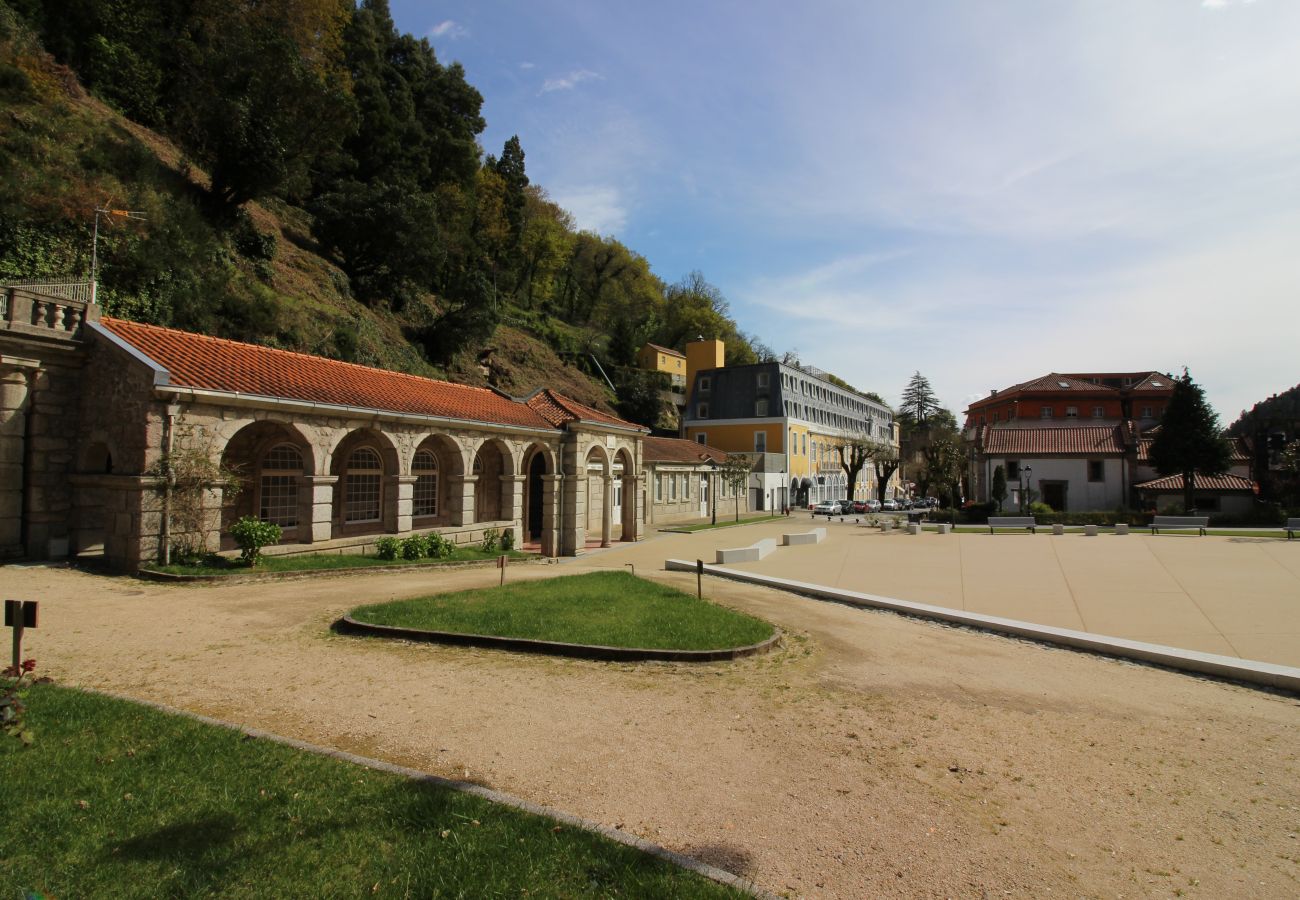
column 493, row 465
column 89, row 501
column 270, row 489
column 437, row 466
column 538, row 519
column 365, row 462
column 597, row 472
column 623, row 495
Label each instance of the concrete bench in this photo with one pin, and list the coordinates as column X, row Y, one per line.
column 752, row 553
column 1291, row 527
column 1176, row 523
column 816, row 536
column 1013, row 522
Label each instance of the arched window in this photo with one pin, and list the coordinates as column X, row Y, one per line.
column 281, row 473
column 363, row 486
column 425, row 496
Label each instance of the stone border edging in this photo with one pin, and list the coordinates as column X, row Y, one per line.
column 1254, row 672
column 236, row 577
column 712, row 873
column 349, row 625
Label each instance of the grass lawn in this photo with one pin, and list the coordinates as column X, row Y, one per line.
column 722, row 523
column 611, row 609
column 119, row 800
column 222, row 565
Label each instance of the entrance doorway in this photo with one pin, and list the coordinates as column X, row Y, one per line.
column 704, row 495
column 536, row 469
column 1054, row 494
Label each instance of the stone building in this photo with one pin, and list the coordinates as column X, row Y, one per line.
column 682, row 482
column 95, row 414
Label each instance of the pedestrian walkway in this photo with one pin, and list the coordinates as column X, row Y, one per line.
column 1227, row 595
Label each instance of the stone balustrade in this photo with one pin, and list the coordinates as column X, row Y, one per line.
column 43, row 315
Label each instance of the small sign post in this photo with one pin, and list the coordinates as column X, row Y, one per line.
column 501, row 564
column 699, row 578
column 19, row 615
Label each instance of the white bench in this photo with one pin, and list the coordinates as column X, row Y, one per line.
column 1013, row 522
column 1291, row 527
column 752, row 553
column 1179, row 523
column 816, row 536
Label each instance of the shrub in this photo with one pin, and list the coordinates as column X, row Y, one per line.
column 415, row 547
column 440, row 547
column 491, row 540
column 387, row 547
column 252, row 535
column 508, row 539
column 1038, row 508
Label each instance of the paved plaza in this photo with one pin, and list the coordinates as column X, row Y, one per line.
column 1233, row 596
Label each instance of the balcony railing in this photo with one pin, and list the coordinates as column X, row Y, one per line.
column 27, row 312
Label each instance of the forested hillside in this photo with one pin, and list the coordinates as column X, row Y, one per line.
column 311, row 178
column 1281, row 411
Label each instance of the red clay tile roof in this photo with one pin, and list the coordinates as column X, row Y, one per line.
column 1154, row 381
column 666, row 350
column 678, row 450
column 215, row 364
column 1239, row 452
column 1216, row 483
column 560, row 410
column 1096, row 439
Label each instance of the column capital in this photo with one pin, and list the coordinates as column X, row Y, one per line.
column 402, row 479
column 513, row 478
column 320, row 479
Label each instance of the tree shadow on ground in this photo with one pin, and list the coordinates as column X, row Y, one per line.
column 729, row 857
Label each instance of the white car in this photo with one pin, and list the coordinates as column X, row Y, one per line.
column 827, row 508
column 890, row 505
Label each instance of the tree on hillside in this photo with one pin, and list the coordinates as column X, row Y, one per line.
column 1189, row 440
column 919, row 401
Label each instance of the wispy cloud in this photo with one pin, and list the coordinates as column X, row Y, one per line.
column 568, row 82
column 526, row 65
column 596, row 208
column 448, row 29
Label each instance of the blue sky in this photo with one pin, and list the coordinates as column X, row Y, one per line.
column 984, row 191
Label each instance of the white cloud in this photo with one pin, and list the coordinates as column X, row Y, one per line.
column 448, row 29
column 525, row 65
column 568, row 82
column 594, row 207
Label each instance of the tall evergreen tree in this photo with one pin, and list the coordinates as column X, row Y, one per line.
column 1189, row 440
column 998, row 492
column 919, row 401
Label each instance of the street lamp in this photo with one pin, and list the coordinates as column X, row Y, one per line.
column 1025, row 472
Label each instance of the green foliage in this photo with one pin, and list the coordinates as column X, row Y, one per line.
column 1038, row 508
column 415, row 547
column 388, row 547
column 491, row 540
column 13, row 705
column 998, row 490
column 919, row 400
column 251, row 535
column 508, row 539
column 1189, row 440
column 440, row 547
column 639, row 395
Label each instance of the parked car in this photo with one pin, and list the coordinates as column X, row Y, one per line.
column 859, row 506
column 890, row 505
column 873, row 505
column 827, row 508
column 846, row 506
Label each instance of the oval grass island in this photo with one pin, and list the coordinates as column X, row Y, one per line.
column 611, row 616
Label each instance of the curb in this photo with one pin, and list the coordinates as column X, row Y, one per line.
column 237, row 577
column 712, row 873
column 349, row 625
column 1230, row 668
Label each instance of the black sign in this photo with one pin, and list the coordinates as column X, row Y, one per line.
column 20, row 612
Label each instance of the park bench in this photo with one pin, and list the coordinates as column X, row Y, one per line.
column 1013, row 522
column 1179, row 522
column 1291, row 527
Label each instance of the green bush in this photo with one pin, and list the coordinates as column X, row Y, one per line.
column 1038, row 508
column 491, row 540
column 508, row 539
column 387, row 547
column 415, row 547
column 440, row 547
column 252, row 535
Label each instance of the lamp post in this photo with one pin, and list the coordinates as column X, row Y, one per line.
column 1025, row 473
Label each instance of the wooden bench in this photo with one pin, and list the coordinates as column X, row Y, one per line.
column 1291, row 527
column 1179, row 522
column 1013, row 522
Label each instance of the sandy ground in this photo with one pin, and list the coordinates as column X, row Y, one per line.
column 874, row 756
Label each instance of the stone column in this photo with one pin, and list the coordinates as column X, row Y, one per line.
column 460, row 498
column 512, row 504
column 320, row 526
column 607, row 510
column 397, row 518
column 14, row 396
column 631, row 506
column 551, row 485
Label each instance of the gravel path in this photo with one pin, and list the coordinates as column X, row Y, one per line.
column 873, row 756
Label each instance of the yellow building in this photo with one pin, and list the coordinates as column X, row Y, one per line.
column 654, row 358
column 789, row 420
